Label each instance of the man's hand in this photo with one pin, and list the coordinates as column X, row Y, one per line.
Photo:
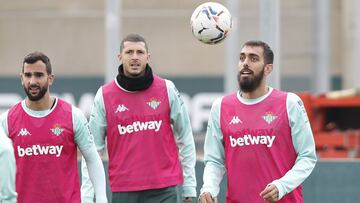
column 187, row 199
column 270, row 193
column 207, row 198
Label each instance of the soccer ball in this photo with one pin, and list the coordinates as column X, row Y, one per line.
column 211, row 23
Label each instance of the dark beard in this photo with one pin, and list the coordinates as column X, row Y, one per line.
column 250, row 84
column 37, row 97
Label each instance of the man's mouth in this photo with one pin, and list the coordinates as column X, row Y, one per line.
column 34, row 90
column 246, row 72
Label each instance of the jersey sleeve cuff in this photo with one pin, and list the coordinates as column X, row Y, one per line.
column 280, row 188
column 189, row 191
column 213, row 191
column 87, row 199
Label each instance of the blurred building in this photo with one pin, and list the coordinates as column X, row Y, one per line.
column 72, row 33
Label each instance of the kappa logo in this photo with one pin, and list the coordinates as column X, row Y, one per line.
column 24, row 132
column 57, row 129
column 121, row 108
column 269, row 117
column 153, row 103
column 235, row 120
column 302, row 107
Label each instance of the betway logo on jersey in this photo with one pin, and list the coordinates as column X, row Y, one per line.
column 38, row 150
column 253, row 137
column 137, row 126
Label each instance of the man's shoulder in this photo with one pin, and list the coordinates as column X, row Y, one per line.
column 15, row 106
column 63, row 102
column 108, row 84
column 68, row 107
column 169, row 83
column 228, row 96
column 293, row 98
column 278, row 91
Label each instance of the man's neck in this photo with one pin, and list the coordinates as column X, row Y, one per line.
column 44, row 103
column 260, row 91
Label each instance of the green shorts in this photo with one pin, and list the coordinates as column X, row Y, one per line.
column 163, row 195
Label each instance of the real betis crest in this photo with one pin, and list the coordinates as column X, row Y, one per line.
column 153, row 103
column 57, row 129
column 269, row 117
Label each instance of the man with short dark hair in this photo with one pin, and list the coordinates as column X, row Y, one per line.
column 147, row 128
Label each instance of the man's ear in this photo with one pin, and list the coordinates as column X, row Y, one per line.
column 119, row 56
column 21, row 79
column 268, row 69
column 51, row 79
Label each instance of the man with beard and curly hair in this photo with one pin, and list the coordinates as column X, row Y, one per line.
column 260, row 136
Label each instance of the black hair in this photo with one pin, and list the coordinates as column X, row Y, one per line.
column 35, row 56
column 133, row 38
column 268, row 53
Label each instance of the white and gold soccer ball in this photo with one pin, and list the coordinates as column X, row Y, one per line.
column 211, row 22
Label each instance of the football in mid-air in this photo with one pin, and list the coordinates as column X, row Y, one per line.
column 211, row 22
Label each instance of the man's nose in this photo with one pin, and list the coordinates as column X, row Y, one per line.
column 245, row 64
column 247, row 61
column 135, row 56
column 33, row 80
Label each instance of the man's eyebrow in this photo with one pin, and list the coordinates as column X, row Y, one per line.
column 250, row 54
column 33, row 73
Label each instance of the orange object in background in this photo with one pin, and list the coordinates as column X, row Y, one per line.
column 324, row 140
column 333, row 153
column 335, row 123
